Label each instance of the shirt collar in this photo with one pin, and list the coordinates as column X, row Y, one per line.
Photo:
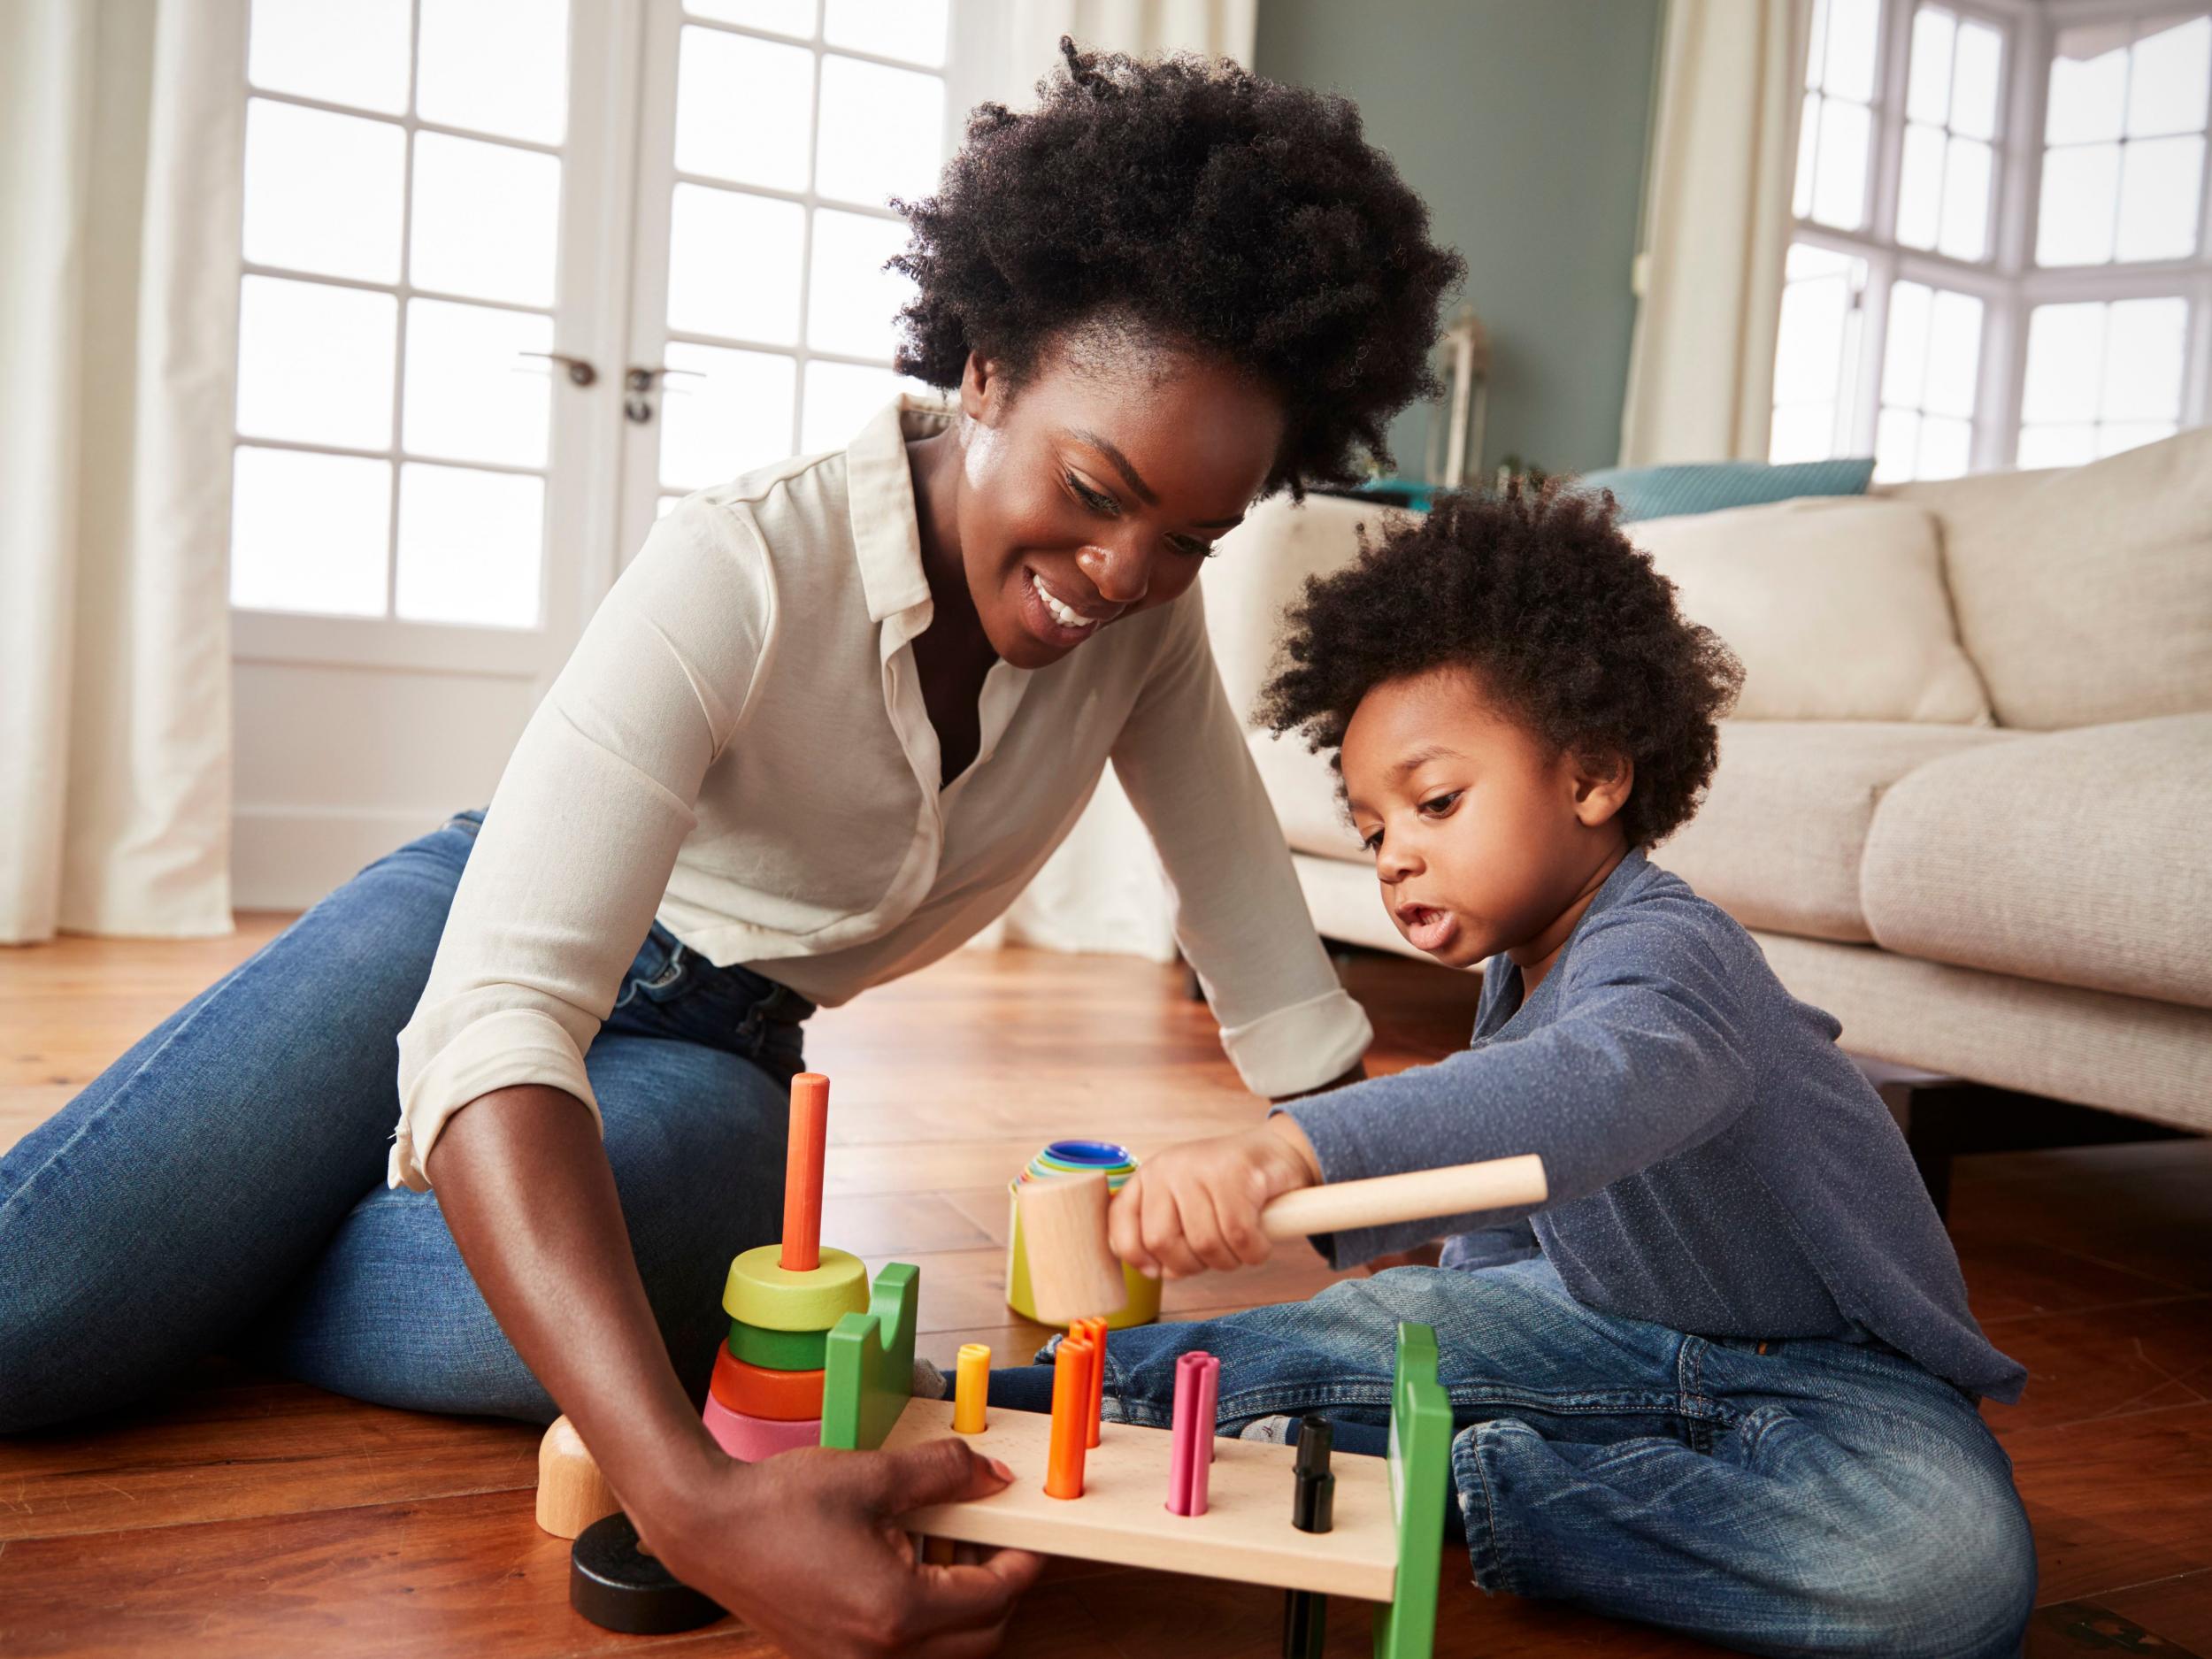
column 879, row 491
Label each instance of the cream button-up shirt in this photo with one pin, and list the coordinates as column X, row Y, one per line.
column 738, row 747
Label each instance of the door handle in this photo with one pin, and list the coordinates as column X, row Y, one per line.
column 640, row 382
column 581, row 372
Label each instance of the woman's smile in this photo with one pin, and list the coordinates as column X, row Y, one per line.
column 1057, row 617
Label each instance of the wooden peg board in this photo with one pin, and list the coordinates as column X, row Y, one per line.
column 1123, row 1518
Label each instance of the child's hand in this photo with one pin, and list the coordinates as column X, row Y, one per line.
column 1197, row 1205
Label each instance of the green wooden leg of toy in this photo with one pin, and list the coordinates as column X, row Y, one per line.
column 868, row 1363
column 1420, row 1475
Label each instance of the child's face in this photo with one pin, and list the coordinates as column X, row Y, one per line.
column 1482, row 836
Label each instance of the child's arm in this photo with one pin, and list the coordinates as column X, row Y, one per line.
column 1648, row 1060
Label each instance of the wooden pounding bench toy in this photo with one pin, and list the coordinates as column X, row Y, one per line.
column 818, row 1355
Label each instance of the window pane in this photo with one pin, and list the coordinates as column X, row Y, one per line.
column 488, row 219
column 852, row 302
column 315, row 362
column 1807, row 150
column 2143, row 360
column 2080, row 190
column 1965, row 233
column 1840, row 186
column 1905, row 356
column 743, row 109
column 843, row 397
column 470, row 546
column 882, row 131
column 1805, row 432
column 2158, row 199
column 323, row 191
column 912, row 29
column 1816, row 45
column 308, row 531
column 1896, row 445
column 1954, row 356
column 1977, row 78
column 734, row 416
column 1945, row 446
column 733, row 264
column 497, row 66
column 1808, row 354
column 1920, row 187
column 2088, row 81
column 353, row 53
column 1849, row 66
column 1928, row 92
column 2127, row 434
column 2057, row 446
column 2065, row 350
column 1807, row 259
column 778, row 17
column 472, row 395
column 2170, row 78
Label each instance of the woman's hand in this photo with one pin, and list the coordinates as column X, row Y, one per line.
column 1197, row 1206
column 806, row 1548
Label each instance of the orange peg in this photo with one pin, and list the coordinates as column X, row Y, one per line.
column 1071, row 1412
column 802, row 1174
column 1094, row 1332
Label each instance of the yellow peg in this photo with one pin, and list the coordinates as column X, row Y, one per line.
column 971, row 1381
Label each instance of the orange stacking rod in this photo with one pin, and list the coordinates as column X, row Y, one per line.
column 802, row 1174
column 1094, row 1332
column 1071, row 1412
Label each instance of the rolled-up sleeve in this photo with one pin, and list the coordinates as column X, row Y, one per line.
column 1239, row 915
column 575, row 851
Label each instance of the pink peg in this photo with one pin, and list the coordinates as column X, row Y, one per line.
column 1190, row 1452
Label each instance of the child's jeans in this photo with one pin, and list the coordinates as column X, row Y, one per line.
column 1784, row 1497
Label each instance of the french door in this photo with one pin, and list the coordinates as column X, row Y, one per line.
column 514, row 275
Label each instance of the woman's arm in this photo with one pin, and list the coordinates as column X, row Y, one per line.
column 803, row 1547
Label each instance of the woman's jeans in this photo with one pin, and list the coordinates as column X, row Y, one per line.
column 222, row 1186
column 1784, row 1497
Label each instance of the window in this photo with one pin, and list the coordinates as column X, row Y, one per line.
column 2001, row 254
column 793, row 125
column 402, row 211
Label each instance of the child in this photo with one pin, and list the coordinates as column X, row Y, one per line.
column 1725, row 1380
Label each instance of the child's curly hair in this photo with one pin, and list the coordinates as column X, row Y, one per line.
column 1539, row 594
column 1215, row 209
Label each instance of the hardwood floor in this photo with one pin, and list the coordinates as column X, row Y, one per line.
column 248, row 1516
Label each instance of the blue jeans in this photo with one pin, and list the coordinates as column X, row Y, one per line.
column 222, row 1186
column 1784, row 1497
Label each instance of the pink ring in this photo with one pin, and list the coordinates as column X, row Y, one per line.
column 750, row 1440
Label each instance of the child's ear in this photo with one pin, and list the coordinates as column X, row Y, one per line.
column 1601, row 783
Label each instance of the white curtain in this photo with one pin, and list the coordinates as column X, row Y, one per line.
column 120, row 143
column 1717, row 227
column 1103, row 889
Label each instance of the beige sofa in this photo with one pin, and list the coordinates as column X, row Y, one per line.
column 1965, row 802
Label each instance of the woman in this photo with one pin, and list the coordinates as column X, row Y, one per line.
column 823, row 730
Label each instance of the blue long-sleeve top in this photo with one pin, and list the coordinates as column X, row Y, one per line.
column 1717, row 1164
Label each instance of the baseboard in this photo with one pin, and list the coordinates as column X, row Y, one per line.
column 285, row 858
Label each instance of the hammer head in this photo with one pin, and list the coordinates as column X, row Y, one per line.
column 1073, row 1274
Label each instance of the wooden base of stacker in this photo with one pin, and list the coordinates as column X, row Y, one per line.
column 1386, row 1546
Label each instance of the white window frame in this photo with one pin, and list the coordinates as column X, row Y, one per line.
column 2008, row 282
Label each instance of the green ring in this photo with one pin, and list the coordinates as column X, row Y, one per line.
column 760, row 1291
column 778, row 1350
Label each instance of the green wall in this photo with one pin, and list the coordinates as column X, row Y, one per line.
column 1522, row 124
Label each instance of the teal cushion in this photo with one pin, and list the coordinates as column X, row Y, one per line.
column 1668, row 492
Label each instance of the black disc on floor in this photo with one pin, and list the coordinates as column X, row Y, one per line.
column 616, row 1585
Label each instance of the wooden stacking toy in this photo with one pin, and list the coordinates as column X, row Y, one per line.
column 782, row 1299
column 1073, row 1272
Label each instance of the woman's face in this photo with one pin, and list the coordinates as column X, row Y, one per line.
column 1095, row 490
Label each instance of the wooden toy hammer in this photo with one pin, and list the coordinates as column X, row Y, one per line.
column 1073, row 1275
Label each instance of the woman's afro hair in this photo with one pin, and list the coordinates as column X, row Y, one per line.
column 1539, row 595
column 1210, row 208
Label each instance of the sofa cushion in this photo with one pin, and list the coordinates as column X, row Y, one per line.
column 1662, row 492
column 2085, row 595
column 1778, row 843
column 1303, row 786
column 1837, row 607
column 2078, row 858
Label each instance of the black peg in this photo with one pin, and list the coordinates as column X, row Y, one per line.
column 1312, row 1509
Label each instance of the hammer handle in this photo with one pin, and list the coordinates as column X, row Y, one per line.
column 1384, row 1200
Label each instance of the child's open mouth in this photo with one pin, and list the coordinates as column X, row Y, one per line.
column 1428, row 929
